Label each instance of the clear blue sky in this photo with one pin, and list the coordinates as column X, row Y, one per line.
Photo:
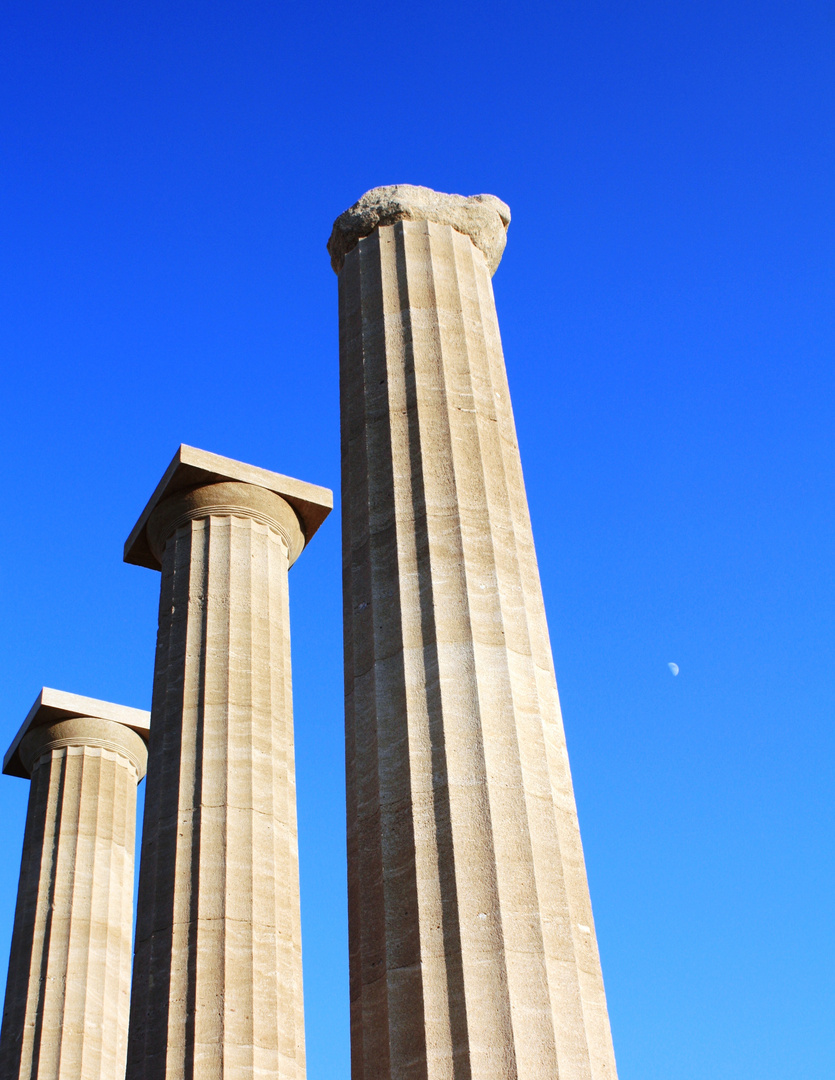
column 170, row 172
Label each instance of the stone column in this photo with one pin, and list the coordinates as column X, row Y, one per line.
column 217, row 981
column 68, row 991
column 472, row 943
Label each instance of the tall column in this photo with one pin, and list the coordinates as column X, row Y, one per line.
column 217, row 982
column 472, row 943
column 67, row 996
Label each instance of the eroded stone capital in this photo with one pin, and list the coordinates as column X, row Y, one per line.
column 225, row 499
column 84, row 731
column 483, row 218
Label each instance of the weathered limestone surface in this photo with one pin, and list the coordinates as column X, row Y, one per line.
column 217, row 984
column 68, row 991
column 483, row 218
column 472, row 943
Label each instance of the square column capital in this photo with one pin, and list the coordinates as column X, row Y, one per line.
column 54, row 705
column 191, row 467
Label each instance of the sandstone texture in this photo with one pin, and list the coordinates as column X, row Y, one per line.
column 68, row 990
column 483, row 218
column 472, row 944
column 217, row 983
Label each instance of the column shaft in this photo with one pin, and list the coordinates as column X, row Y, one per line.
column 217, row 976
column 68, row 990
column 473, row 953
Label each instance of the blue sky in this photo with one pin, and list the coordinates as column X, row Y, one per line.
column 170, row 175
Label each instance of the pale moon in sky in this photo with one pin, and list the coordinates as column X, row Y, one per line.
column 673, row 668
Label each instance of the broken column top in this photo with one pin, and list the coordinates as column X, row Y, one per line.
column 483, row 218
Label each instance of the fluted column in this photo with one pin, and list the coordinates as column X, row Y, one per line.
column 68, row 990
column 473, row 950
column 217, row 984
